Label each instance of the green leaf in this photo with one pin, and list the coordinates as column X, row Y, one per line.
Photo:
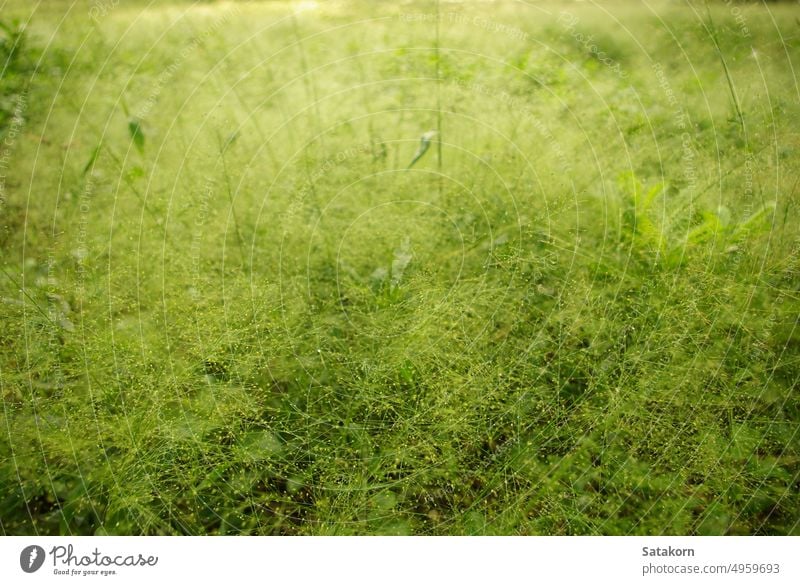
column 232, row 137
column 705, row 231
column 654, row 192
column 135, row 172
column 135, row 130
column 758, row 222
column 259, row 445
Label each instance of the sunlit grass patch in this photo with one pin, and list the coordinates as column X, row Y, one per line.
column 309, row 268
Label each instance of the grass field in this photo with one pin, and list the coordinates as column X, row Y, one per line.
column 230, row 303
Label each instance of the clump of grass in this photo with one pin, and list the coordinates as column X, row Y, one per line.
column 14, row 66
column 680, row 235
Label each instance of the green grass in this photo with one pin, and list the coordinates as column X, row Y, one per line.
column 230, row 307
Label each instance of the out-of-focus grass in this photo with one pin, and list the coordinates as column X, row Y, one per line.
column 228, row 307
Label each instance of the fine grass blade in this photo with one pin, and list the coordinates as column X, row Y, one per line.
column 92, row 159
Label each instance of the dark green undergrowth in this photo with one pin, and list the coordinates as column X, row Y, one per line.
column 228, row 306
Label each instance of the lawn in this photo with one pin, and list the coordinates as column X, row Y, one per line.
column 351, row 267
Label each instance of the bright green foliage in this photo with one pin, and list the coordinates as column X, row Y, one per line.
column 670, row 243
column 228, row 305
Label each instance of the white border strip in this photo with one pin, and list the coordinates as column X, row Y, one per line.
column 370, row 560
